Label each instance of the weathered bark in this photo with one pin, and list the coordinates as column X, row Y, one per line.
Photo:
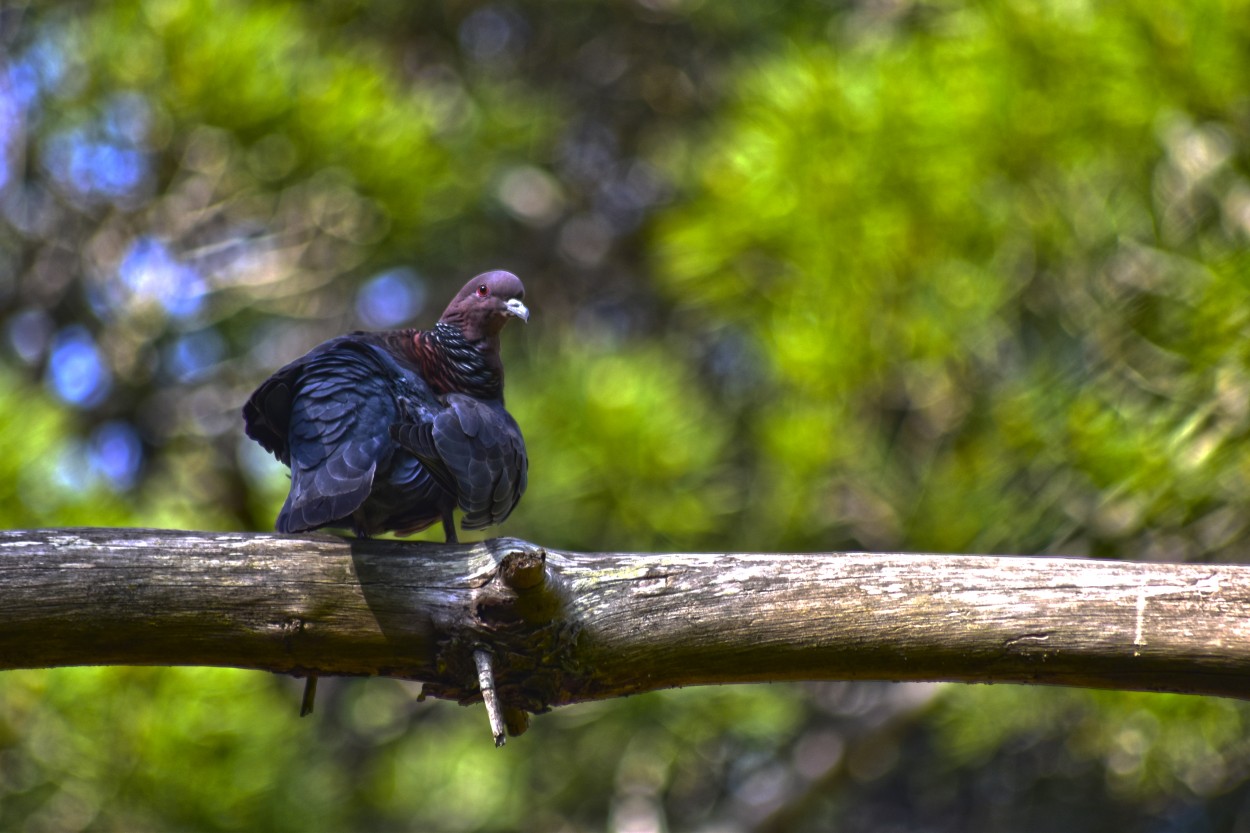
column 565, row 627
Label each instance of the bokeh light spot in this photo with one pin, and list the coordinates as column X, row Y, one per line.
column 390, row 299
column 10, row 130
column 585, row 240
column 29, row 333
column 492, row 35
column 192, row 357
column 151, row 273
column 93, row 168
column 531, row 195
column 76, row 371
column 23, row 82
column 127, row 118
column 116, row 453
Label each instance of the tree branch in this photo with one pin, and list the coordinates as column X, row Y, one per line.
column 565, row 627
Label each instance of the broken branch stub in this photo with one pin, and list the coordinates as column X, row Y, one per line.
column 519, row 615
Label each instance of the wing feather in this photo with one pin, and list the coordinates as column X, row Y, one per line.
column 482, row 448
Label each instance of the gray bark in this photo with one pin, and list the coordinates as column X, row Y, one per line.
column 564, row 627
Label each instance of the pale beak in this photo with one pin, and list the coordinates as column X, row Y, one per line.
column 515, row 307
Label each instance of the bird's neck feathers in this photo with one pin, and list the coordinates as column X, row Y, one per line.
column 451, row 362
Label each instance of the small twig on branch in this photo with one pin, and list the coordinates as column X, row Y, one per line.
column 310, row 695
column 486, row 681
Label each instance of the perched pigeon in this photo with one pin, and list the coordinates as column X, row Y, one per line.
column 392, row 431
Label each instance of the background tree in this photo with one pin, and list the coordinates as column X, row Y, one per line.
column 964, row 276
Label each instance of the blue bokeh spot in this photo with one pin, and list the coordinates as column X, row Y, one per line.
column 149, row 271
column 76, row 370
column 191, row 357
column 390, row 299
column 116, row 453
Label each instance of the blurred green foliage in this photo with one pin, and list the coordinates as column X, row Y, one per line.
column 955, row 277
column 989, row 299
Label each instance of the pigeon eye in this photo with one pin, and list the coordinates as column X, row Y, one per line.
column 483, row 291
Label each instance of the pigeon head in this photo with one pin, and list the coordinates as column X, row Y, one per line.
column 485, row 304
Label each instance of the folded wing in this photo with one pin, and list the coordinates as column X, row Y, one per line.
column 475, row 447
column 328, row 416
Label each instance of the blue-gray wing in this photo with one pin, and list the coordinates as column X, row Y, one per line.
column 328, row 416
column 481, row 448
column 338, row 437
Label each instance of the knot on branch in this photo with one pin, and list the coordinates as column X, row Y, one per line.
column 522, row 592
column 520, row 615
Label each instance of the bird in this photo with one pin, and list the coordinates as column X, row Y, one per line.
column 393, row 431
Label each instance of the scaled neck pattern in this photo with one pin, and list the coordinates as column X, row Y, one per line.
column 453, row 364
